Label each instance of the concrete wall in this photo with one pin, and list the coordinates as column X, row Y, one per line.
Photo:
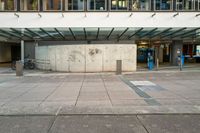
column 5, row 53
column 29, row 50
column 86, row 57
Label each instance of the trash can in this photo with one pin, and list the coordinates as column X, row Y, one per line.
column 19, row 68
column 118, row 67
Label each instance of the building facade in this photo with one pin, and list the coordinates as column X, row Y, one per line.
column 90, row 35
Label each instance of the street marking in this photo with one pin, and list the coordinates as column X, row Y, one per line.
column 143, row 83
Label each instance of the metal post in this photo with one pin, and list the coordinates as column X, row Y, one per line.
column 157, row 64
column 181, row 63
column 179, row 53
column 22, row 51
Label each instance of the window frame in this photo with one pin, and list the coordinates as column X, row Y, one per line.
column 106, row 5
column 30, row 10
column 117, row 10
column 66, row 6
column 193, row 6
column 171, row 7
column 149, row 8
column 45, row 10
column 15, row 7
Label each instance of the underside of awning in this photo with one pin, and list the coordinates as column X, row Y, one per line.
column 98, row 34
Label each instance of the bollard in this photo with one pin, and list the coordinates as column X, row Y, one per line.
column 118, row 67
column 19, row 68
column 157, row 64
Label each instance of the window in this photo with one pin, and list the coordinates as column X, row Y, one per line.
column 75, row 5
column 119, row 4
column 7, row 5
column 198, row 4
column 29, row 5
column 52, row 5
column 96, row 5
column 185, row 4
column 140, row 5
column 163, row 5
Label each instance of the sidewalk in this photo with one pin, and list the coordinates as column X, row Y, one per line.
column 97, row 93
column 140, row 102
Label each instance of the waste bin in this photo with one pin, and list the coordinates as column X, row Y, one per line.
column 19, row 68
column 119, row 67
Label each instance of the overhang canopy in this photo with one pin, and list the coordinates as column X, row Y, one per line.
column 98, row 33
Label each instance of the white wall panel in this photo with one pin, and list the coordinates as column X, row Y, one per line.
column 88, row 58
column 115, row 19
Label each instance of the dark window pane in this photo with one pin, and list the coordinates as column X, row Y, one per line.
column 8, row 5
column 52, row 5
column 29, row 5
column 74, row 5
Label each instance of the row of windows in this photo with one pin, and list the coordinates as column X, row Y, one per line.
column 99, row 5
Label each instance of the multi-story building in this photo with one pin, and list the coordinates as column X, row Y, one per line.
column 90, row 35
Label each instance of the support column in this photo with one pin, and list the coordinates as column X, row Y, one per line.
column 160, row 54
column 22, row 51
column 178, row 44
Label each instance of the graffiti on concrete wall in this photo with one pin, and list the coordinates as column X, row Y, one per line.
column 93, row 52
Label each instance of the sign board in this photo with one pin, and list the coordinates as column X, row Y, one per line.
column 198, row 50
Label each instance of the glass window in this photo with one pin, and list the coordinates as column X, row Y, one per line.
column 75, row 5
column 7, row 5
column 185, row 4
column 140, row 5
column 52, row 5
column 163, row 5
column 96, row 5
column 196, row 4
column 119, row 4
column 32, row 5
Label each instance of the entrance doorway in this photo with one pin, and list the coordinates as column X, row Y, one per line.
column 160, row 51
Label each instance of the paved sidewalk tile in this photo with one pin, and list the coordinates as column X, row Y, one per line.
column 171, row 123
column 97, row 124
column 25, row 124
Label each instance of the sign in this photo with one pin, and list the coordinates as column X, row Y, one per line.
column 198, row 50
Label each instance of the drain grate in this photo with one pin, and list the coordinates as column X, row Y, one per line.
column 148, row 99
